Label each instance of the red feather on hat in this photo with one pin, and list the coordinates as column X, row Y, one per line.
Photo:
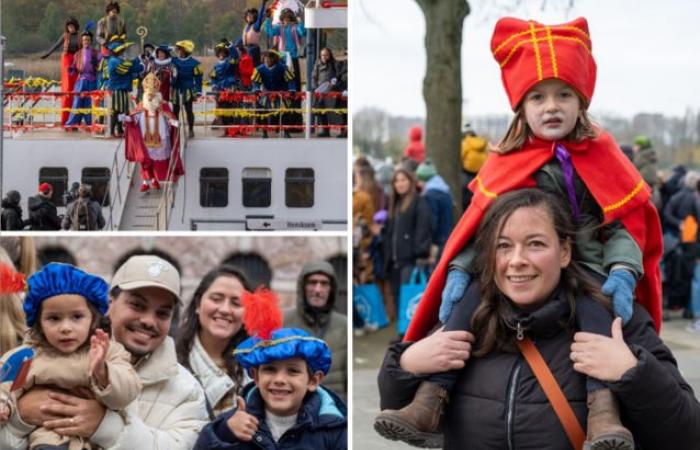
column 261, row 313
column 11, row 281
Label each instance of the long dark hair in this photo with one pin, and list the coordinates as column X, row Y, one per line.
column 489, row 320
column 190, row 324
column 399, row 203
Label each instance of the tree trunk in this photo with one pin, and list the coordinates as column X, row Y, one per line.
column 442, row 87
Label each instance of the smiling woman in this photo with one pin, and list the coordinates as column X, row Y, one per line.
column 211, row 329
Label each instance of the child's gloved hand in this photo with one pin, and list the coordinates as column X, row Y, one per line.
column 455, row 285
column 243, row 425
column 620, row 286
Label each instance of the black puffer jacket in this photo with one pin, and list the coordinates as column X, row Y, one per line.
column 43, row 215
column 408, row 235
column 498, row 404
column 11, row 217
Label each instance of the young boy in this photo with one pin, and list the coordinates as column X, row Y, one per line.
column 284, row 407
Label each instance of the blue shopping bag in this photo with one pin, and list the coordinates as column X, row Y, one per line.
column 369, row 304
column 409, row 297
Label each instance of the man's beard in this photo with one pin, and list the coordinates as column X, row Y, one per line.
column 151, row 105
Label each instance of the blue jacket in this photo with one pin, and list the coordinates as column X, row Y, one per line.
column 437, row 194
column 189, row 75
column 321, row 425
column 275, row 78
column 290, row 44
column 121, row 73
column 224, row 75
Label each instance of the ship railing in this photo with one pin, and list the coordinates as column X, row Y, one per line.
column 250, row 114
column 117, row 171
column 167, row 201
column 238, row 113
column 37, row 107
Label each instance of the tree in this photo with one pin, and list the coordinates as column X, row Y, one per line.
column 52, row 23
column 442, row 86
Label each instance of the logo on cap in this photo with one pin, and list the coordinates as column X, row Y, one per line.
column 156, row 268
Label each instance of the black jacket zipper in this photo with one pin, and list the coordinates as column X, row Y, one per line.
column 510, row 405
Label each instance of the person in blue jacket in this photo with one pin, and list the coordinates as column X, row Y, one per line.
column 272, row 77
column 121, row 73
column 224, row 77
column 187, row 81
column 437, row 193
column 285, row 407
column 288, row 37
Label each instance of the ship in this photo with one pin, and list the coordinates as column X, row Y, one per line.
column 249, row 183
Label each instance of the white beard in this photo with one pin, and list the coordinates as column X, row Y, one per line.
column 152, row 105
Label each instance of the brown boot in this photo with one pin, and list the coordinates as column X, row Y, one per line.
column 418, row 423
column 605, row 431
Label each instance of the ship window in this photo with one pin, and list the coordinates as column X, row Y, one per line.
column 299, row 189
column 213, row 187
column 257, row 187
column 98, row 178
column 58, row 178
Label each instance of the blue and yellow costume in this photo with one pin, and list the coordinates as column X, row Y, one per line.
column 187, row 82
column 121, row 73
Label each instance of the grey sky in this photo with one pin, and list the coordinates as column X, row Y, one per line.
column 647, row 52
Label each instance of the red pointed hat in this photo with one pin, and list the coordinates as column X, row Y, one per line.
column 529, row 52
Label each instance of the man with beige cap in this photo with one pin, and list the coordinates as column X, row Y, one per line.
column 170, row 411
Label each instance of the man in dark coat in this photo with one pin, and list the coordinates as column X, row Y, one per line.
column 437, row 193
column 43, row 215
column 317, row 292
column 11, row 212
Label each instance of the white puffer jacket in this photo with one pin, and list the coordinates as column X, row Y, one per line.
column 169, row 413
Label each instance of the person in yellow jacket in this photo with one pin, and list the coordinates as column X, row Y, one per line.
column 473, row 157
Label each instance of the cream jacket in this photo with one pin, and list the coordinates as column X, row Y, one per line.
column 168, row 414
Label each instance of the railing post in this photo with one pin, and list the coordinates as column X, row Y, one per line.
column 308, row 118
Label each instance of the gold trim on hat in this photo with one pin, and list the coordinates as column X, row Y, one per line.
column 537, row 30
column 552, row 54
column 536, row 48
column 271, row 342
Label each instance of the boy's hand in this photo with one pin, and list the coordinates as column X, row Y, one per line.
column 99, row 343
column 4, row 412
column 243, row 425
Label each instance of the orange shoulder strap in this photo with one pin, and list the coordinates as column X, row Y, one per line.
column 554, row 394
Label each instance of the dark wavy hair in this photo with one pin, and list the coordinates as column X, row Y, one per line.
column 71, row 21
column 112, row 6
column 489, row 322
column 253, row 13
column 191, row 327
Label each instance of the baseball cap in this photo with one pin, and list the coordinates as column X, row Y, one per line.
column 147, row 271
column 45, row 188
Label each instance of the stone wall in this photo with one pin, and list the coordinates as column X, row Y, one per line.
column 198, row 254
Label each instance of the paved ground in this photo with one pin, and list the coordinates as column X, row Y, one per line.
column 368, row 352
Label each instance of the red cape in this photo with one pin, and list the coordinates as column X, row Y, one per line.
column 135, row 148
column 611, row 178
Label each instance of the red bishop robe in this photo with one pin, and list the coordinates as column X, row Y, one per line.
column 612, row 179
column 136, row 150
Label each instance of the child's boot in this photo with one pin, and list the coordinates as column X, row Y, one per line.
column 420, row 422
column 605, row 431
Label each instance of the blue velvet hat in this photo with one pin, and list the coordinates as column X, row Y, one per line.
column 57, row 279
column 284, row 343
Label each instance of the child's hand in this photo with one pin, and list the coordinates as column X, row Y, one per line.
column 4, row 412
column 455, row 285
column 243, row 425
column 99, row 343
column 620, row 286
